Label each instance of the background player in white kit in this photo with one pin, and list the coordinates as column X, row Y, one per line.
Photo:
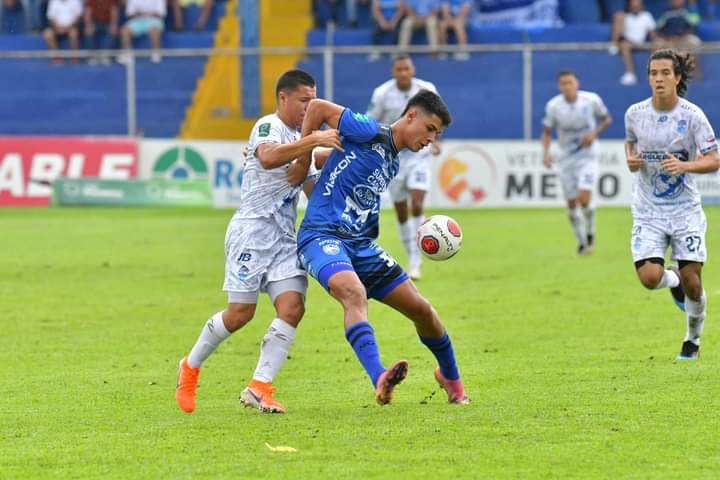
column 664, row 136
column 260, row 246
column 413, row 180
column 579, row 118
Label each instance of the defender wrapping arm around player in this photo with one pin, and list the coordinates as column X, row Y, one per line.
column 260, row 246
column 664, row 136
column 336, row 241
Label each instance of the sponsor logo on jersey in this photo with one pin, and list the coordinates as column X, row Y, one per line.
column 264, row 130
column 342, row 165
column 378, row 148
column 662, row 118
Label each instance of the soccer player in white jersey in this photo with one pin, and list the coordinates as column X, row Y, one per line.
column 579, row 118
column 260, row 246
column 668, row 139
column 413, row 181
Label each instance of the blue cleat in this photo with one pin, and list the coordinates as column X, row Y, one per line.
column 678, row 294
column 689, row 351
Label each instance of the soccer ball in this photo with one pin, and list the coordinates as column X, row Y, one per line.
column 439, row 237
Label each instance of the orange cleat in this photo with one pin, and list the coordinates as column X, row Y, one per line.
column 186, row 386
column 454, row 389
column 388, row 380
column 260, row 395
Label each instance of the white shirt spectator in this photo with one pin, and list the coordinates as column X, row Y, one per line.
column 64, row 13
column 146, row 7
column 637, row 26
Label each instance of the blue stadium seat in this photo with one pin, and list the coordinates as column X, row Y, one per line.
column 584, row 13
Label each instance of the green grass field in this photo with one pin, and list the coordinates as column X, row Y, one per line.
column 569, row 361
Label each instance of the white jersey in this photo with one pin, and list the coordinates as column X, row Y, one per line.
column 684, row 131
column 266, row 193
column 574, row 120
column 388, row 103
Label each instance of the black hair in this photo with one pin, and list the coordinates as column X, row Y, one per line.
column 400, row 57
column 683, row 66
column 565, row 72
column 430, row 102
column 293, row 79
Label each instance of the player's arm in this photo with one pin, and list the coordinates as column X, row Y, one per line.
column 319, row 112
column 590, row 137
column 274, row 155
column 634, row 160
column 708, row 163
column 546, row 139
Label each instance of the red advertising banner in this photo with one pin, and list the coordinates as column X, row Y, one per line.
column 29, row 165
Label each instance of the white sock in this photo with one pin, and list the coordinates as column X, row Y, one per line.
column 589, row 214
column 577, row 225
column 212, row 335
column 668, row 280
column 414, row 258
column 695, row 313
column 407, row 236
column 274, row 350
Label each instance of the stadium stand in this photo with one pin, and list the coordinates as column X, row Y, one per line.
column 485, row 93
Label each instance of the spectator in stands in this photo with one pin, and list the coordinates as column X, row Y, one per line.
column 101, row 26
column 145, row 17
column 420, row 14
column 63, row 21
column 631, row 29
column 676, row 27
column 177, row 7
column 454, row 15
column 12, row 5
column 387, row 15
column 351, row 10
column 710, row 9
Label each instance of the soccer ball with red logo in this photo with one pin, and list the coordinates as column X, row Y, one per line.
column 439, row 237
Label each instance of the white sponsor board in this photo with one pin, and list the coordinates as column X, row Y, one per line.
column 221, row 163
column 472, row 174
column 467, row 174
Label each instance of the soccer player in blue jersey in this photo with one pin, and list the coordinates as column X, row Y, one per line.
column 336, row 241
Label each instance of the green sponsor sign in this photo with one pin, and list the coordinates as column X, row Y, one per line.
column 132, row 193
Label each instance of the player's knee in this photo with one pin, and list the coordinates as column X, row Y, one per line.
column 650, row 280
column 422, row 311
column 351, row 295
column 237, row 316
column 692, row 287
column 292, row 312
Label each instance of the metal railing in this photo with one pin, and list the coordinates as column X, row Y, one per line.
column 329, row 54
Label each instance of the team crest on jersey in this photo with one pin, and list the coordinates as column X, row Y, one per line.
column 264, row 130
column 378, row 148
column 667, row 186
column 682, row 127
column 662, row 118
column 330, row 247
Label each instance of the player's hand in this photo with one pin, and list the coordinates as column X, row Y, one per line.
column 297, row 172
column 547, row 160
column 588, row 139
column 328, row 138
column 673, row 165
column 634, row 162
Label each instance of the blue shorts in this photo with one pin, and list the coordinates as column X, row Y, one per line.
column 324, row 255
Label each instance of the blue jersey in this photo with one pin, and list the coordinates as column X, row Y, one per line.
column 345, row 202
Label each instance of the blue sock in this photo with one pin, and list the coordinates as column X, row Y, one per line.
column 361, row 337
column 443, row 351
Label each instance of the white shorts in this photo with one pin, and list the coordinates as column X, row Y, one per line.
column 578, row 174
column 260, row 257
column 414, row 174
column 686, row 235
